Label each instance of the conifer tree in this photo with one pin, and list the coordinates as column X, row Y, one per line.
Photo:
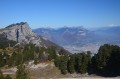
column 22, row 73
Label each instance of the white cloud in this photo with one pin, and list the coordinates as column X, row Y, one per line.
column 113, row 25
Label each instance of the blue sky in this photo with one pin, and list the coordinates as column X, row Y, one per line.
column 58, row 13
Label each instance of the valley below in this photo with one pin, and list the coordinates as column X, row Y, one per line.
column 78, row 49
column 79, row 39
column 65, row 53
column 59, row 39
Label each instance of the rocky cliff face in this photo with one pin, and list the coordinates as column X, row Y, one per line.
column 22, row 33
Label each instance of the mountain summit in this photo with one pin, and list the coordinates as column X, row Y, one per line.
column 22, row 33
column 78, row 39
column 63, row 35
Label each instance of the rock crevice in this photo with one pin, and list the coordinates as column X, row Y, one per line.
column 22, row 33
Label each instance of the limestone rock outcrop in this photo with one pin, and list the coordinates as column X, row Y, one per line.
column 22, row 33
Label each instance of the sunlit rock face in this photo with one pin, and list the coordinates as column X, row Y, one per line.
column 22, row 33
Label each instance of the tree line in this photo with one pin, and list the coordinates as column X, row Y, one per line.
column 22, row 73
column 105, row 63
column 20, row 55
column 74, row 63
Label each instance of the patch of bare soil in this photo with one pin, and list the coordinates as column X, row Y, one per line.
column 48, row 70
column 9, row 70
column 89, row 78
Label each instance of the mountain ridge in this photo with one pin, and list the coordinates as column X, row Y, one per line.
column 78, row 39
column 22, row 33
column 61, row 33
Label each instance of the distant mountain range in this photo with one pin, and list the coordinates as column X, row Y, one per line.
column 109, row 34
column 23, row 34
column 78, row 39
column 75, row 39
column 64, row 35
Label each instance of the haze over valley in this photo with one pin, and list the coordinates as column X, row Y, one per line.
column 78, row 39
column 59, row 39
